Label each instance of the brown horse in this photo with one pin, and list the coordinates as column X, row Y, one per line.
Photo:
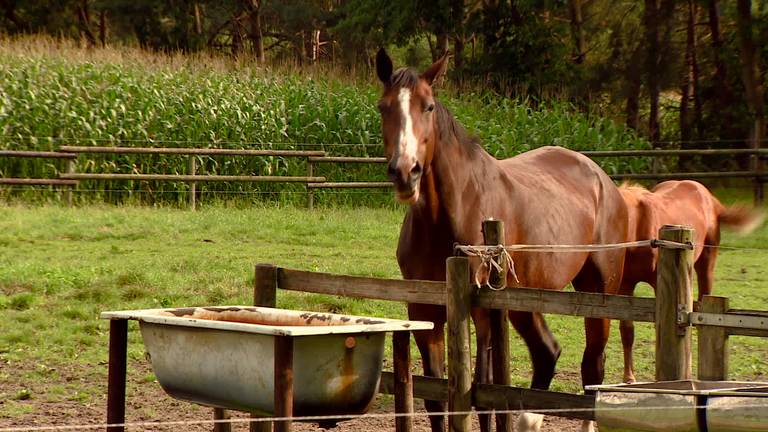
column 676, row 203
column 546, row 196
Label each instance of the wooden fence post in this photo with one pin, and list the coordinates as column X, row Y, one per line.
column 401, row 351
column 192, row 185
column 70, row 189
column 493, row 235
column 458, row 303
column 713, row 342
column 674, row 300
column 264, row 294
column 310, row 191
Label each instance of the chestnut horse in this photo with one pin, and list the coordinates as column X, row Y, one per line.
column 546, row 196
column 676, row 203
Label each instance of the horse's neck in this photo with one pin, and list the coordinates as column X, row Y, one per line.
column 460, row 176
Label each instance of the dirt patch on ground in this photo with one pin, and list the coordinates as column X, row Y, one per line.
column 148, row 407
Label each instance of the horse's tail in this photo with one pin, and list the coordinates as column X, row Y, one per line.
column 741, row 218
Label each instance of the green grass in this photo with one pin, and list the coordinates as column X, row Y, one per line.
column 61, row 267
column 53, row 93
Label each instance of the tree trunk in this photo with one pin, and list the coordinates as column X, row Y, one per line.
column 688, row 88
column 650, row 20
column 198, row 18
column 442, row 45
column 256, row 32
column 84, row 18
column 103, row 27
column 457, row 18
column 577, row 29
column 634, row 83
column 751, row 76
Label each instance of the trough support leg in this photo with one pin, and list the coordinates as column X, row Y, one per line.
column 265, row 295
column 401, row 349
column 674, row 298
column 458, row 302
column 221, row 414
column 283, row 382
column 118, row 350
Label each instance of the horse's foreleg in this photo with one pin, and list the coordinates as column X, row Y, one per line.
column 483, row 359
column 544, row 351
column 593, row 362
column 431, row 344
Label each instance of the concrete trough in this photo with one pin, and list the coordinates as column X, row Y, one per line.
column 682, row 406
column 223, row 356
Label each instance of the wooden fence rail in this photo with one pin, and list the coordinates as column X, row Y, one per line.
column 313, row 158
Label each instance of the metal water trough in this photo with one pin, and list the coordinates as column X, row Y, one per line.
column 682, row 406
column 224, row 356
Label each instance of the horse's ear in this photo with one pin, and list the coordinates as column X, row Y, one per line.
column 436, row 71
column 383, row 66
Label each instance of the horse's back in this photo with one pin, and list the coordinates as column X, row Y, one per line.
column 567, row 199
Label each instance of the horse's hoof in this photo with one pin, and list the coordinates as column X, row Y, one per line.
column 588, row 426
column 529, row 422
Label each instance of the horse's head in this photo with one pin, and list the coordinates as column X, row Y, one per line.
column 408, row 123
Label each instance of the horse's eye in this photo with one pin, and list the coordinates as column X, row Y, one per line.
column 382, row 107
column 430, row 107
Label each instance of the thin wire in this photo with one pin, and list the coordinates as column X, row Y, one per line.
column 171, row 141
column 480, row 250
column 352, row 417
column 187, row 191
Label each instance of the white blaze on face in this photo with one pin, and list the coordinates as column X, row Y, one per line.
column 408, row 146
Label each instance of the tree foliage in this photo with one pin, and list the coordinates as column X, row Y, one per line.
column 669, row 69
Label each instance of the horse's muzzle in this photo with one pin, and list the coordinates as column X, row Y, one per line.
column 406, row 180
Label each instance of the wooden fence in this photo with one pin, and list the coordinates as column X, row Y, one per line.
column 671, row 311
column 70, row 178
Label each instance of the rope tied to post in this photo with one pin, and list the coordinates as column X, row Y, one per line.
column 491, row 258
column 498, row 257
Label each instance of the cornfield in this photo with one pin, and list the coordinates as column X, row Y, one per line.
column 53, row 93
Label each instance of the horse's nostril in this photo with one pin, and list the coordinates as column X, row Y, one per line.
column 391, row 170
column 416, row 170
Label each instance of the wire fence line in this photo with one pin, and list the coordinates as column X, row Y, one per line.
column 347, row 417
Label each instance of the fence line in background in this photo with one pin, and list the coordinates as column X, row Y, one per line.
column 312, row 158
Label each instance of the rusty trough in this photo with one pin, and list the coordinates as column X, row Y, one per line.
column 267, row 361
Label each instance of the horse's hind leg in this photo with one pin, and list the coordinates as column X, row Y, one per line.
column 431, row 344
column 602, row 274
column 627, row 330
column 482, row 322
column 705, row 267
column 544, row 351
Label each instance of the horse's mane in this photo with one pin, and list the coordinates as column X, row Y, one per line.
column 633, row 193
column 447, row 126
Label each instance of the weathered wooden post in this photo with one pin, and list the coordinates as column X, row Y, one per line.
column 310, row 191
column 265, row 294
column 283, row 365
column 493, row 235
column 118, row 351
column 70, row 189
column 192, row 185
column 458, row 303
column 674, row 301
column 401, row 351
column 713, row 342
